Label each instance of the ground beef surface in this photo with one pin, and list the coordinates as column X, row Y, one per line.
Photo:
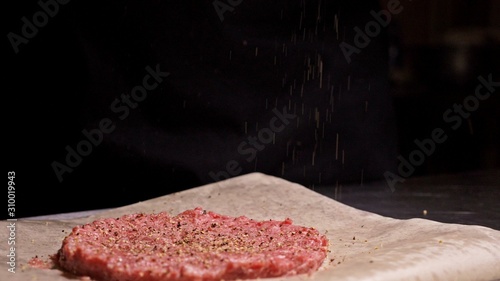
column 193, row 245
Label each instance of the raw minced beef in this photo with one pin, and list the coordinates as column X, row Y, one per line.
column 193, row 245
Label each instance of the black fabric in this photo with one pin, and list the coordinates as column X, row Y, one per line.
column 229, row 79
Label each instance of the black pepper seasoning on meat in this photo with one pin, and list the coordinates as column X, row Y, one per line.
column 160, row 245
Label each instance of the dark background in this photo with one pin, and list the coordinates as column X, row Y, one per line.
column 393, row 92
column 442, row 47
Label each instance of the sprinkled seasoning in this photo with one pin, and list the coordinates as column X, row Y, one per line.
column 194, row 245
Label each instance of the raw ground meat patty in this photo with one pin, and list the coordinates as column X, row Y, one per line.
column 194, row 245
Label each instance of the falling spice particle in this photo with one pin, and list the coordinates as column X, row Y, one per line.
column 320, row 74
column 336, row 25
column 469, row 123
column 337, row 148
column 361, row 181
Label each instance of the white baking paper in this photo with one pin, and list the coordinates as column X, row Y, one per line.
column 363, row 245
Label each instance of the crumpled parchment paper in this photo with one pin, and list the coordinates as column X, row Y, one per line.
column 364, row 246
